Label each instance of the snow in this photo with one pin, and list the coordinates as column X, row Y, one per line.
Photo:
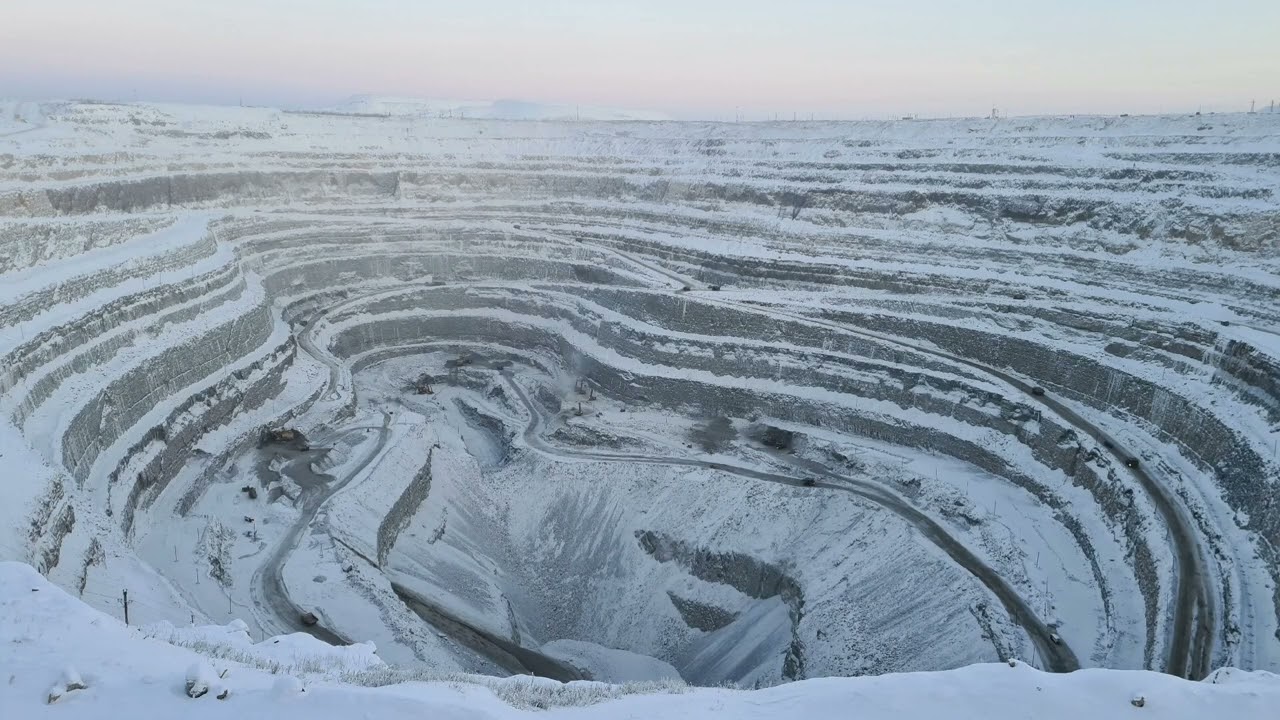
column 610, row 665
column 296, row 650
column 487, row 109
column 201, row 679
column 132, row 675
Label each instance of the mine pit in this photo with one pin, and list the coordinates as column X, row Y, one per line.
column 520, row 407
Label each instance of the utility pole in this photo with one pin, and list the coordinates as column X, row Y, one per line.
column 126, row 607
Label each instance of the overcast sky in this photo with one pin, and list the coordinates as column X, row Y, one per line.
column 691, row 58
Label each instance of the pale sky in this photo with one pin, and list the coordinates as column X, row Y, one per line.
column 691, row 58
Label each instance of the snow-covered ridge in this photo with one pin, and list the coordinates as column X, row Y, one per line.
column 964, row 329
column 486, row 109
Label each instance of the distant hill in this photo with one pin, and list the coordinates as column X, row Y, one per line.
column 489, row 109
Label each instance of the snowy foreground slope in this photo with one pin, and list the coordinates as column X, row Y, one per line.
column 48, row 638
column 631, row 401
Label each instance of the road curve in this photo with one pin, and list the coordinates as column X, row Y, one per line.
column 1193, row 627
column 1190, row 652
column 266, row 588
column 1058, row 656
column 1192, row 630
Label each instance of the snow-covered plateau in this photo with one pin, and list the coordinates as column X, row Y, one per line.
column 642, row 402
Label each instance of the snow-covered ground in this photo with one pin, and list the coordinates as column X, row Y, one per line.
column 743, row 403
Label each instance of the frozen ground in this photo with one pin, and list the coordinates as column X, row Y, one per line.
column 743, row 403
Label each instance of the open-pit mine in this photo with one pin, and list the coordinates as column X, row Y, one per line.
column 734, row 403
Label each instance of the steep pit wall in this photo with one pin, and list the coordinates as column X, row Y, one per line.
column 167, row 447
column 33, row 243
column 71, row 340
column 1137, row 208
column 122, row 402
column 687, row 396
column 28, row 306
column 403, row 509
column 1243, row 476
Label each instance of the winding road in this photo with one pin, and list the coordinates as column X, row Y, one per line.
column 278, row 612
column 1192, row 627
column 1058, row 657
column 267, row 585
column 269, row 594
column 1192, row 630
